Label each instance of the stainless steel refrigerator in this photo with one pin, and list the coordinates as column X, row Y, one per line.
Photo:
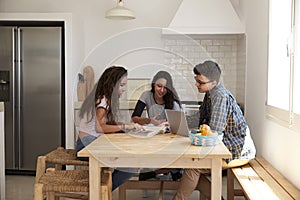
column 31, row 73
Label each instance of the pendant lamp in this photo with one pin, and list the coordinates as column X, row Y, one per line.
column 119, row 12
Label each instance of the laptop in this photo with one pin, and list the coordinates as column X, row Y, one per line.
column 177, row 122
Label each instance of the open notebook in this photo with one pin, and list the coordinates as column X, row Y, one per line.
column 147, row 131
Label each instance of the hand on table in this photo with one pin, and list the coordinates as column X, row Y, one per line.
column 132, row 126
column 157, row 122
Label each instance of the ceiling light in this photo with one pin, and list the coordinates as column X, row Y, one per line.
column 119, row 12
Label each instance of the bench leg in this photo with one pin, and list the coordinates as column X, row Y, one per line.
column 161, row 191
column 230, row 184
column 122, row 192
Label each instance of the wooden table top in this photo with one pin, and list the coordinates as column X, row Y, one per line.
column 161, row 145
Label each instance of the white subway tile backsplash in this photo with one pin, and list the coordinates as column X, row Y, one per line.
column 229, row 51
column 212, row 48
column 218, row 42
column 230, row 42
column 193, row 55
column 206, row 42
column 218, row 55
column 225, row 48
column 230, row 54
column 234, row 48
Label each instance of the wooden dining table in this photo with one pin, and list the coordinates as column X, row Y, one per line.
column 160, row 151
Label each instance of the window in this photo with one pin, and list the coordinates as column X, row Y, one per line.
column 283, row 97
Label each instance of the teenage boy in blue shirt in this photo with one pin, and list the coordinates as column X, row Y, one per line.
column 221, row 112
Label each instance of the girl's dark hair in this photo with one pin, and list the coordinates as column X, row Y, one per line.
column 171, row 94
column 108, row 87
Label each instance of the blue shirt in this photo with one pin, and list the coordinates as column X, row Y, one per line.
column 222, row 113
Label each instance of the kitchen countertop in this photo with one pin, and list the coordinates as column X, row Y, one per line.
column 1, row 107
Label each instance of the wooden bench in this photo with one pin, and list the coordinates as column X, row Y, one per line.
column 259, row 180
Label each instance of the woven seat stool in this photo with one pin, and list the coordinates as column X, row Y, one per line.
column 62, row 156
column 55, row 183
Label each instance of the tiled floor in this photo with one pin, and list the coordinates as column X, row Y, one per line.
column 21, row 188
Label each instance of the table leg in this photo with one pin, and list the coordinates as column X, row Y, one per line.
column 94, row 178
column 216, row 179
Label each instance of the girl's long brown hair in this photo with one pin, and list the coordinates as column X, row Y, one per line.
column 108, row 86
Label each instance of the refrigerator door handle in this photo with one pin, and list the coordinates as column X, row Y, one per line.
column 13, row 82
column 19, row 94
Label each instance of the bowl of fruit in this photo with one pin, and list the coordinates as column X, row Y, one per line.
column 204, row 136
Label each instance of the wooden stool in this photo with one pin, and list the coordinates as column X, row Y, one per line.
column 55, row 183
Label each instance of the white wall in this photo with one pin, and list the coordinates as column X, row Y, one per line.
column 87, row 29
column 279, row 145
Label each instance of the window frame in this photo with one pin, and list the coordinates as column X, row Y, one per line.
column 287, row 118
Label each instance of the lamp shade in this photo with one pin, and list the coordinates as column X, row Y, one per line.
column 120, row 13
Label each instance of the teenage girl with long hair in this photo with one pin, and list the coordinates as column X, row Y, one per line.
column 161, row 96
column 99, row 115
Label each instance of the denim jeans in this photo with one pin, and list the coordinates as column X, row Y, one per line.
column 119, row 175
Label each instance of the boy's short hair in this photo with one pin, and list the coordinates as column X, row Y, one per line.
column 209, row 69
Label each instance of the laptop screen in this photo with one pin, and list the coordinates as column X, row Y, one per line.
column 177, row 122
